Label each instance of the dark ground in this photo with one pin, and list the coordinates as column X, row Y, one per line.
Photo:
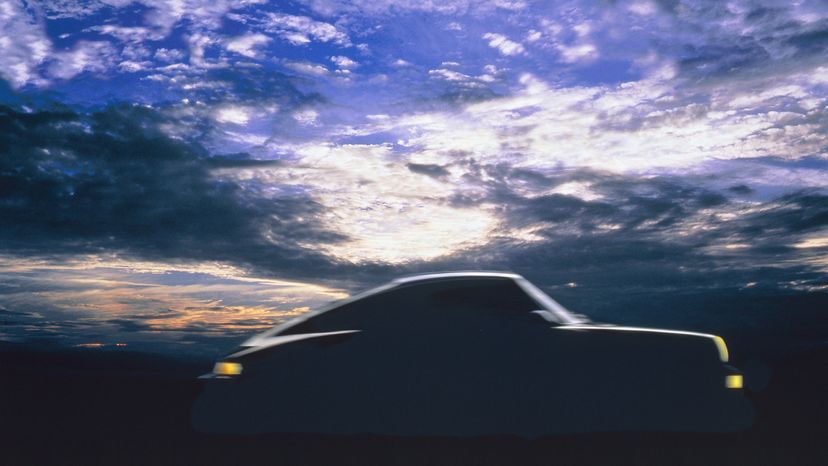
column 117, row 407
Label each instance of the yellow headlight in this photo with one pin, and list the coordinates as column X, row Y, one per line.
column 734, row 381
column 227, row 368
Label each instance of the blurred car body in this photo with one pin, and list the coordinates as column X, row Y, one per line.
column 469, row 353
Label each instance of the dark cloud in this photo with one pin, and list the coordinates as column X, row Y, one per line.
column 7, row 313
column 112, row 181
column 810, row 42
column 434, row 171
column 129, row 325
column 787, row 217
column 740, row 189
column 713, row 60
column 643, row 233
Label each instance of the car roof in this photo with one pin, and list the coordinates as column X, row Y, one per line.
column 460, row 274
column 561, row 313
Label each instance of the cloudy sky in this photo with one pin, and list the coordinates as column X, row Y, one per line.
column 176, row 171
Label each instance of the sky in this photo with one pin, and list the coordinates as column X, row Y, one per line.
column 176, row 174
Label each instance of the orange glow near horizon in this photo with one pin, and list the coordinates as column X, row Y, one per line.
column 136, row 298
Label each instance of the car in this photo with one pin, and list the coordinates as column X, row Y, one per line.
column 469, row 354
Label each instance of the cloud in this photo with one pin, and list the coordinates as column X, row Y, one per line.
column 577, row 53
column 449, row 75
column 503, row 44
column 382, row 7
column 372, row 8
column 203, row 15
column 651, row 233
column 432, row 170
column 113, row 181
column 313, row 69
column 742, row 40
column 65, row 9
column 460, row 87
column 247, row 44
column 127, row 33
column 389, row 213
column 94, row 298
column 630, row 127
column 23, row 45
column 233, row 114
column 344, row 62
column 84, row 57
column 166, row 55
column 301, row 30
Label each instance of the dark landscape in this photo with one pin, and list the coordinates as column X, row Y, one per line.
column 113, row 406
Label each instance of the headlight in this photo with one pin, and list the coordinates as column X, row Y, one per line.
column 734, row 381
column 227, row 368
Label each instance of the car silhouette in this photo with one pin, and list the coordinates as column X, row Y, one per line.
column 466, row 354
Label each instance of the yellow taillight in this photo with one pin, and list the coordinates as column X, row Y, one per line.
column 734, row 381
column 722, row 347
column 227, row 368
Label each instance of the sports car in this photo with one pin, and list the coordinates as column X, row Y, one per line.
column 467, row 354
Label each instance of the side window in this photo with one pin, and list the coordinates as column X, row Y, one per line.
column 428, row 304
column 483, row 295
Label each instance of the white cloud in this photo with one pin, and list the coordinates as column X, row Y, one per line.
column 577, row 53
column 388, row 212
column 246, row 44
column 237, row 115
column 127, row 34
column 643, row 8
column 389, row 7
column 129, row 66
column 314, row 69
column 449, row 75
column 301, row 30
column 577, row 189
column 509, row 5
column 198, row 44
column 460, row 78
column 306, row 116
column 503, row 44
column 491, row 69
column 582, row 29
column 636, row 127
column 344, row 62
column 204, row 15
column 168, row 55
column 63, row 9
column 95, row 56
column 571, row 39
column 23, row 45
